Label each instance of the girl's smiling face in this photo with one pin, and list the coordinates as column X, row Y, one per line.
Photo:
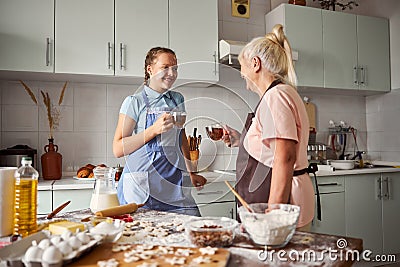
column 163, row 72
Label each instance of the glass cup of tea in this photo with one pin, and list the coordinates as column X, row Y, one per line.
column 179, row 118
column 215, row 131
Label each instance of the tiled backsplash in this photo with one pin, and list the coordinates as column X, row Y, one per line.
column 89, row 114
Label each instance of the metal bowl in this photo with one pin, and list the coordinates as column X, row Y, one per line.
column 343, row 164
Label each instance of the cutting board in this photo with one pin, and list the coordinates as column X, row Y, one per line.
column 310, row 108
column 104, row 252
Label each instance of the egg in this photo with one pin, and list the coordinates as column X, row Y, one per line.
column 33, row 253
column 45, row 243
column 66, row 235
column 74, row 242
column 55, row 240
column 52, row 255
column 64, row 247
column 83, row 237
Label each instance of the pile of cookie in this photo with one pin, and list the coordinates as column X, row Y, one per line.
column 87, row 170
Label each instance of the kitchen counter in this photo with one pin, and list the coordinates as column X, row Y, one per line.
column 357, row 171
column 243, row 252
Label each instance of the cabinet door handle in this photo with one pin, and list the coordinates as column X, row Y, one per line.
column 48, row 43
column 355, row 75
column 379, row 193
column 215, row 62
column 210, row 193
column 362, row 76
column 328, row 184
column 109, row 48
column 122, row 51
column 386, row 194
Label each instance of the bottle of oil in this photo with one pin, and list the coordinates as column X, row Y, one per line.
column 25, row 200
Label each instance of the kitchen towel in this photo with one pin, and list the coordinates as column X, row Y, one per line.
column 6, row 200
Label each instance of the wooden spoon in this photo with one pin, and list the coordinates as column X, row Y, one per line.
column 244, row 203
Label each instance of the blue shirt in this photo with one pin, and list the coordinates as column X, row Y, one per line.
column 135, row 107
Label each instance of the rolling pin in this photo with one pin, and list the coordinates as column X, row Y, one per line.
column 119, row 210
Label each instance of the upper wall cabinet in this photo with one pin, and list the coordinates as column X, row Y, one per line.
column 336, row 49
column 26, row 35
column 85, row 40
column 303, row 27
column 84, row 36
column 136, row 32
column 193, row 35
column 356, row 52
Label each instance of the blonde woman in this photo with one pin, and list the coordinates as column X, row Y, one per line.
column 272, row 160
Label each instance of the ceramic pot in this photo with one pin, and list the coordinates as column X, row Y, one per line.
column 298, row 2
column 51, row 162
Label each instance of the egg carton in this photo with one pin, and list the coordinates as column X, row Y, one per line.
column 15, row 254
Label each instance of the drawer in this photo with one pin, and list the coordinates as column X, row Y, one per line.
column 213, row 192
column 226, row 209
column 329, row 184
column 44, row 202
column 80, row 198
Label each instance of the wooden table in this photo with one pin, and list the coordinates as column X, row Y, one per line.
column 304, row 249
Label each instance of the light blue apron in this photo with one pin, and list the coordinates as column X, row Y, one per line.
column 153, row 173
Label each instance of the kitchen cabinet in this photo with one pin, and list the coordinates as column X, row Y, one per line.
column 332, row 206
column 85, row 40
column 335, row 49
column 80, row 198
column 193, row 35
column 362, row 61
column 215, row 199
column 136, row 32
column 44, row 202
column 84, row 34
column 372, row 207
column 390, row 212
column 27, row 35
column 303, row 27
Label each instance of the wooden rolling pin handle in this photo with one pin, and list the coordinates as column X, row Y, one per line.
column 119, row 210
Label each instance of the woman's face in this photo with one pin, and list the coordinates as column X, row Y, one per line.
column 163, row 72
column 247, row 73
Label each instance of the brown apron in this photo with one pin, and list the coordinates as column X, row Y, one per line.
column 253, row 178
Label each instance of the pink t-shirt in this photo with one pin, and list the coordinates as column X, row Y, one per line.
column 281, row 114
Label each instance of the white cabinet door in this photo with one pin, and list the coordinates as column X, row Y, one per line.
column 303, row 28
column 224, row 209
column 332, row 215
column 364, row 210
column 27, row 35
column 80, row 198
column 391, row 212
column 373, row 53
column 340, row 50
column 44, row 202
column 136, row 32
column 84, row 36
column 193, row 35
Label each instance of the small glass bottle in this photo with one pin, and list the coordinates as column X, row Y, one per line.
column 25, row 199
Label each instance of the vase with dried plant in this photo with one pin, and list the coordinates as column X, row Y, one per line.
column 51, row 160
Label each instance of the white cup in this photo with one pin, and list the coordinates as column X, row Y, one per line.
column 6, row 200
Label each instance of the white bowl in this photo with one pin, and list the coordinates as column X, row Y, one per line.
column 274, row 228
column 343, row 164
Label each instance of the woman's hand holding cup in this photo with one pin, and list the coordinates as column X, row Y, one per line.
column 231, row 137
column 164, row 123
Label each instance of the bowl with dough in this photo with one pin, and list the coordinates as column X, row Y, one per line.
column 273, row 228
column 110, row 229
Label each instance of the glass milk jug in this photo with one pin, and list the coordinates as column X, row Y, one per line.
column 104, row 193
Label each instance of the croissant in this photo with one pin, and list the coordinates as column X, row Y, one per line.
column 83, row 172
